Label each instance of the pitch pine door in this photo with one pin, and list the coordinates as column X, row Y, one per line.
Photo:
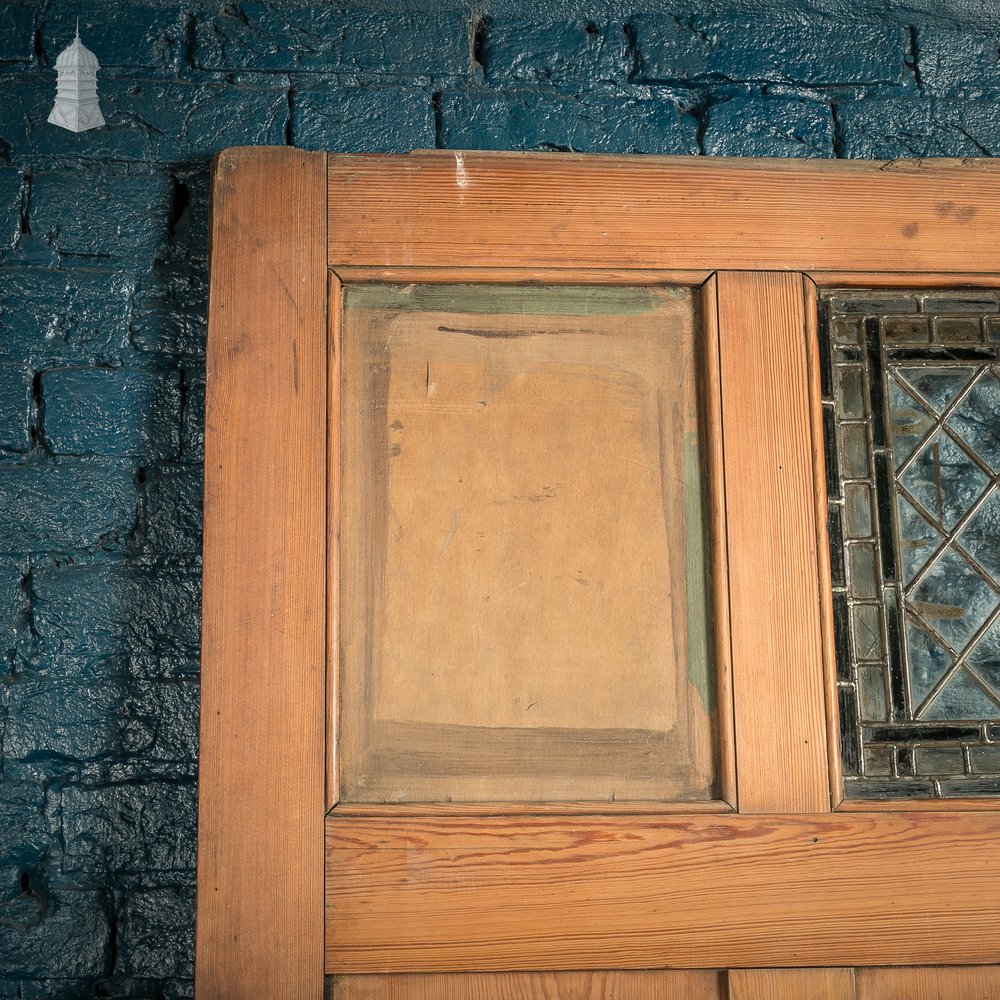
column 521, row 662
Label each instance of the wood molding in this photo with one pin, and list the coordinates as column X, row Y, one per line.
column 413, row 894
column 610, row 985
column 526, row 210
column 260, row 883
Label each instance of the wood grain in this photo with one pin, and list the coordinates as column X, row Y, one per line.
column 524, row 612
column 415, row 894
column 260, row 883
column 522, row 275
column 618, row 985
column 823, row 577
column 722, row 647
column 478, row 209
column 778, row 680
column 334, row 473
column 791, row 984
column 954, row 983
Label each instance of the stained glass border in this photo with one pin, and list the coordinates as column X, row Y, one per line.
column 889, row 747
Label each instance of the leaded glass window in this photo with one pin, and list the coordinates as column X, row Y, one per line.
column 911, row 408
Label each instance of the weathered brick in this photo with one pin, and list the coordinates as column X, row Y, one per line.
column 15, row 407
column 173, row 510
column 92, row 718
column 120, row 34
column 10, row 202
column 883, row 130
column 755, row 125
column 375, row 120
column 193, row 433
column 566, row 51
column 157, row 933
column 66, row 506
column 112, row 411
column 189, row 225
column 152, row 120
column 24, row 826
column 256, row 36
column 73, row 315
column 159, row 723
column 117, row 610
column 14, row 607
column 169, row 312
column 17, row 32
column 103, row 213
column 130, row 828
column 531, row 120
column 54, row 717
column 798, row 48
column 70, row 932
column 958, row 63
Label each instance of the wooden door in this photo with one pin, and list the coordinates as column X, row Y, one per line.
column 478, row 426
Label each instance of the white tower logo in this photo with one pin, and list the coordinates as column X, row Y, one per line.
column 76, row 106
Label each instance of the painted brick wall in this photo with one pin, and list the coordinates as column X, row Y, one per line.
column 102, row 341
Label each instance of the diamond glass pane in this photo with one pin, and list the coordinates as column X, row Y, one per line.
column 912, row 425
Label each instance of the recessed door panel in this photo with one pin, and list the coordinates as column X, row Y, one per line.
column 524, row 597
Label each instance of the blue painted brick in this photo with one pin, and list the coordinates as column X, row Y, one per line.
column 375, row 120
column 78, row 315
column 189, row 237
column 556, row 52
column 104, row 213
column 755, row 125
column 92, row 611
column 120, row 34
column 14, row 610
column 957, row 63
column 67, row 506
column 193, row 432
column 130, row 828
column 97, row 717
column 15, row 407
column 169, row 310
column 17, row 34
column 157, row 933
column 10, row 203
column 884, row 130
column 810, row 50
column 25, row 829
column 71, row 934
column 173, row 510
column 160, row 724
column 256, row 36
column 151, row 120
column 55, row 717
column 531, row 120
column 112, row 411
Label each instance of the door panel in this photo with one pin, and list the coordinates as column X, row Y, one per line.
column 567, row 889
column 525, row 615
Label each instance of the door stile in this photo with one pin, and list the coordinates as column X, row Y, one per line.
column 259, row 922
column 781, row 727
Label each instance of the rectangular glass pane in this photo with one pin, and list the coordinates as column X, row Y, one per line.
column 524, row 607
column 919, row 669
